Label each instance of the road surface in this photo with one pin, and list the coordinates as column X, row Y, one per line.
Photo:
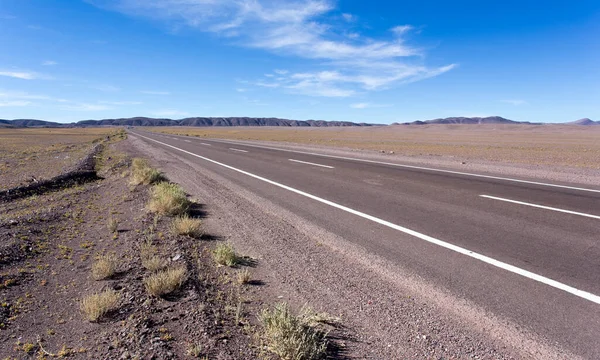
column 522, row 249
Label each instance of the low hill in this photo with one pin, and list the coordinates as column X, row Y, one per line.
column 584, row 121
column 467, row 120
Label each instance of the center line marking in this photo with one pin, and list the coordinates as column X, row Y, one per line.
column 237, row 150
column 309, row 163
column 486, row 259
column 187, row 141
column 541, row 206
column 206, row 144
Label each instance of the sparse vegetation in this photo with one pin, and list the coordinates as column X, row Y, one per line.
column 104, row 267
column 143, row 174
column 168, row 199
column 166, row 281
column 150, row 258
column 112, row 224
column 97, row 305
column 224, row 254
column 292, row 336
column 186, row 225
column 194, row 350
column 243, row 277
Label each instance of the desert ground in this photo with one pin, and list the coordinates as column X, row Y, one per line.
column 571, row 146
column 97, row 267
column 55, row 243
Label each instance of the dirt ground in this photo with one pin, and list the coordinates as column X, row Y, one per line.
column 48, row 242
column 29, row 155
column 557, row 145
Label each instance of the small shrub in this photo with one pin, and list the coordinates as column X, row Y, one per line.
column 243, row 277
column 188, row 226
column 143, row 174
column 168, row 199
column 194, row 350
column 96, row 305
column 164, row 282
column 112, row 224
column 104, row 267
column 291, row 336
column 150, row 258
column 224, row 254
column 154, row 263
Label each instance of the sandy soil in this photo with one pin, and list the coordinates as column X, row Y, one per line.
column 388, row 312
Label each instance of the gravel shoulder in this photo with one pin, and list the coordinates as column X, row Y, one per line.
column 388, row 313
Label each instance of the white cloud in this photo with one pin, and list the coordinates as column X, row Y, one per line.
column 514, row 102
column 280, row 71
column 25, row 75
column 14, row 103
column 306, row 29
column 49, row 63
column 150, row 92
column 401, row 29
column 348, row 17
column 359, row 105
column 241, row 90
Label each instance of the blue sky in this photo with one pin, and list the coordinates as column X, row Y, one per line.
column 363, row 61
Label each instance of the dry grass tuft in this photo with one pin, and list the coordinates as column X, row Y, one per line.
column 224, row 254
column 188, row 226
column 150, row 258
column 104, row 267
column 168, row 199
column 143, row 174
column 243, row 277
column 165, row 281
column 96, row 305
column 112, row 224
column 292, row 336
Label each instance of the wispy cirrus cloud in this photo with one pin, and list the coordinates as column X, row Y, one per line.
column 25, row 75
column 14, row 103
column 304, row 29
column 515, row 102
column 49, row 63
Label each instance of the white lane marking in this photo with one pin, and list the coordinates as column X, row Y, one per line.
column 187, row 141
column 415, row 167
column 542, row 206
column 488, row 260
column 237, row 150
column 206, row 144
column 309, row 163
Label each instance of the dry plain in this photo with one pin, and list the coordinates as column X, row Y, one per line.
column 562, row 145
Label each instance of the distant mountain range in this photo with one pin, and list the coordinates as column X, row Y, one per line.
column 194, row 121
column 247, row 121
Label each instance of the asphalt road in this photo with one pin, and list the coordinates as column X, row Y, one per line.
column 522, row 250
